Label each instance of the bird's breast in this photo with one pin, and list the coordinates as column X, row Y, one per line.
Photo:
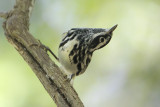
column 64, row 57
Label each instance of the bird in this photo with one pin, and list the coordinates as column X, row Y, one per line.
column 77, row 46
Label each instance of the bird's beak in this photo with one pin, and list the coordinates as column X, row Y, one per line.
column 112, row 28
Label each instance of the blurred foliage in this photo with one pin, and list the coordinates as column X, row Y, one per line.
column 123, row 74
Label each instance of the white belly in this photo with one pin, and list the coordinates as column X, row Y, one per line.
column 63, row 55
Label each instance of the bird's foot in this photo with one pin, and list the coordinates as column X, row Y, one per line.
column 45, row 48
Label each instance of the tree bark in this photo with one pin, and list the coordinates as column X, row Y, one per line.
column 16, row 27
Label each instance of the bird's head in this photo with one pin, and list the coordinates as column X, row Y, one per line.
column 100, row 38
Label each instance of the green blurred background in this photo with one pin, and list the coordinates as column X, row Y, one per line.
column 126, row 73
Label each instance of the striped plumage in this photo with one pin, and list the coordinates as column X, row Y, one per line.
column 76, row 49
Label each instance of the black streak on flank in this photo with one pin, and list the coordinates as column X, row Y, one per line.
column 79, row 68
column 75, row 46
column 79, row 58
column 71, row 53
column 88, row 61
column 75, row 59
column 79, row 53
column 73, row 50
column 83, row 53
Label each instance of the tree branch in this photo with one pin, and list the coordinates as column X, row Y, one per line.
column 16, row 29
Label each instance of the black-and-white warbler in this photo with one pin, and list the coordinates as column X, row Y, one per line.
column 76, row 48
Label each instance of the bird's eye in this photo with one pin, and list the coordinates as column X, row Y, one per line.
column 101, row 39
